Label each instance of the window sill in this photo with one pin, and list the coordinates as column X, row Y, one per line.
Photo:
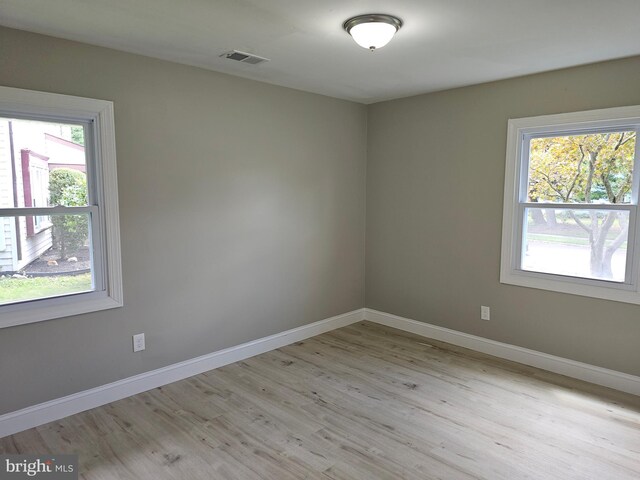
column 51, row 308
column 617, row 292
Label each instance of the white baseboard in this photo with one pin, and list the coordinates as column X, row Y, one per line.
column 583, row 371
column 52, row 410
column 42, row 413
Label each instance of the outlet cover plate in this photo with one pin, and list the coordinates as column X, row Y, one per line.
column 138, row 342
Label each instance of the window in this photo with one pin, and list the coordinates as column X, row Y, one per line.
column 58, row 207
column 570, row 205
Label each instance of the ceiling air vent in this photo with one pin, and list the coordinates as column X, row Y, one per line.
column 244, row 57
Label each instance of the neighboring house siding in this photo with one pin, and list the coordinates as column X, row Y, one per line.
column 6, row 200
column 6, row 189
column 35, row 242
column 34, row 246
column 6, row 245
column 3, row 234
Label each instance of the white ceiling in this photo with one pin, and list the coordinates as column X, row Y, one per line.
column 443, row 43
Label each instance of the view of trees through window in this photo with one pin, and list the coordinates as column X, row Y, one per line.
column 42, row 254
column 592, row 168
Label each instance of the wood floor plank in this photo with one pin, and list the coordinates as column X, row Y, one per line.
column 361, row 402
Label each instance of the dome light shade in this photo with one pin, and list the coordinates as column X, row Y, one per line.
column 372, row 31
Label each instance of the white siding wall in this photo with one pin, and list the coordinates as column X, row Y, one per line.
column 34, row 246
column 6, row 200
column 6, row 190
column 3, row 244
column 6, row 247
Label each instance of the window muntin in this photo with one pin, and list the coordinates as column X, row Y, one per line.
column 92, row 139
column 565, row 175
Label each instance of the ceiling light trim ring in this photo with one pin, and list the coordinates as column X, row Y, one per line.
column 372, row 18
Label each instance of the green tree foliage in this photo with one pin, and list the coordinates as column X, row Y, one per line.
column 592, row 168
column 68, row 188
column 77, row 134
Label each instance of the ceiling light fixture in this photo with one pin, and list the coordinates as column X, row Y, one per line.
column 373, row 30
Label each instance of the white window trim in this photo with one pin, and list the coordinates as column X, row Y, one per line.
column 517, row 128
column 100, row 113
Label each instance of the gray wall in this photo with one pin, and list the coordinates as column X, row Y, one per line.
column 435, row 179
column 242, row 215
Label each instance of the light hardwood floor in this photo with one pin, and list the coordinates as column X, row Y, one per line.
column 362, row 402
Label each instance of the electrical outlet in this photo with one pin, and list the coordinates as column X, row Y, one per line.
column 485, row 313
column 138, row 342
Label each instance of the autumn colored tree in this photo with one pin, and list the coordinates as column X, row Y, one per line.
column 592, row 168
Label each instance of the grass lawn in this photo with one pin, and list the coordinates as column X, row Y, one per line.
column 17, row 289
column 543, row 237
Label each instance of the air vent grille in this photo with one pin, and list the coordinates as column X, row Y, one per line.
column 244, row 57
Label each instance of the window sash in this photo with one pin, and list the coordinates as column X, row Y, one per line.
column 558, row 131
column 555, row 131
column 95, row 237
column 32, row 211
column 95, row 194
column 578, row 206
column 631, row 240
column 522, row 194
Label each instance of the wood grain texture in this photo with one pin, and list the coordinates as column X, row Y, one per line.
column 361, row 402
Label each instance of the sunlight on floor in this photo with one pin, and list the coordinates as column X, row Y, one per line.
column 585, row 401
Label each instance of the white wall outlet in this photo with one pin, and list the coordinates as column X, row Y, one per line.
column 485, row 313
column 138, row 342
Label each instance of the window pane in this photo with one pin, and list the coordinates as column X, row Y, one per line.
column 56, row 260
column 577, row 243
column 590, row 168
column 42, row 164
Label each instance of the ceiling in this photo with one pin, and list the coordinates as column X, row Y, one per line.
column 443, row 43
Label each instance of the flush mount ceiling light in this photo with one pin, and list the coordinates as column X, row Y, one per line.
column 373, row 30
